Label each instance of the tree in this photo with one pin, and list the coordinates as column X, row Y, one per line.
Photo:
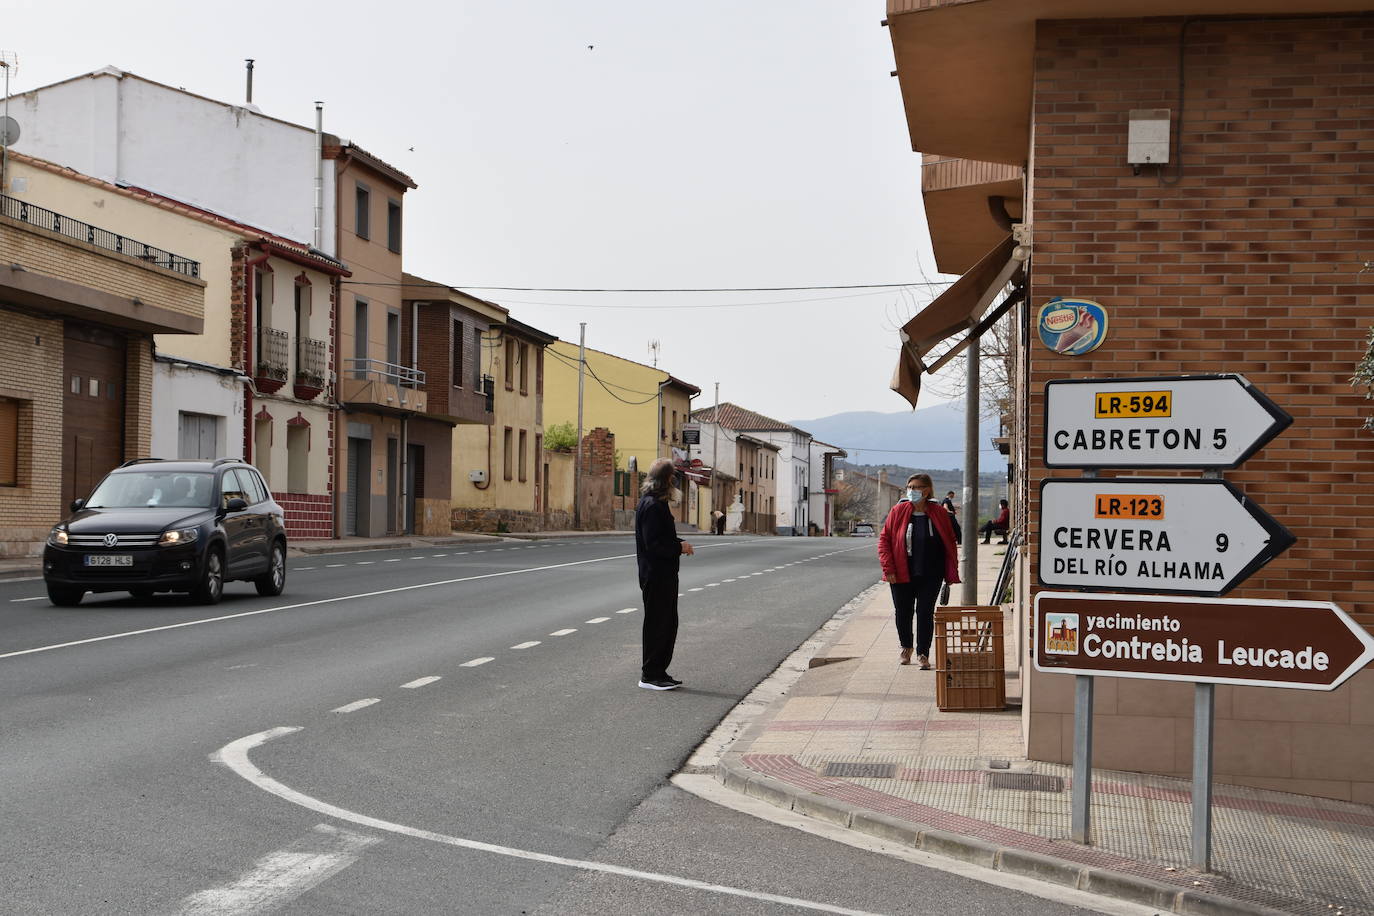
column 854, row 500
column 561, row 437
column 996, row 365
column 1364, row 375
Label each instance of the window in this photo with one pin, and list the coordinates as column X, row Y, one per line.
column 662, row 422
column 9, row 442
column 230, row 488
column 393, row 225
column 510, row 364
column 538, row 456
column 197, row 435
column 674, row 427
column 508, row 455
column 457, row 354
column 477, row 359
column 360, row 337
column 362, row 203
column 393, row 338
column 301, row 306
column 539, row 373
column 523, row 443
column 297, row 459
column 253, row 486
column 523, row 354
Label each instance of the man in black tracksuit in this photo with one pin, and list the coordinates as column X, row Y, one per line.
column 659, row 551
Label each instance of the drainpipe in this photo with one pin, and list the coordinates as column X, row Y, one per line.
column 249, row 369
column 319, row 177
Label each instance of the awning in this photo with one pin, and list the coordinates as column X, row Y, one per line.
column 959, row 308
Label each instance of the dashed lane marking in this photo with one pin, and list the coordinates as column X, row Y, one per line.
column 364, row 562
column 598, row 620
column 477, row 661
column 357, row 705
column 39, row 598
column 395, row 560
column 526, row 645
column 694, row 589
column 421, row 682
column 235, row 757
column 627, row 610
column 563, row 632
column 334, row 565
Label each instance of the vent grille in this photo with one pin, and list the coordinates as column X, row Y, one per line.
column 861, row 770
column 1025, row 782
column 125, row 540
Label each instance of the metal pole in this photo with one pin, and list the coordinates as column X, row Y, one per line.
column 715, row 456
column 969, row 573
column 249, row 90
column 1082, row 758
column 1203, row 695
column 5, row 152
column 577, row 460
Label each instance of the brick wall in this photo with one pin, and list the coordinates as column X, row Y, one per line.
column 307, row 515
column 31, row 371
column 1248, row 263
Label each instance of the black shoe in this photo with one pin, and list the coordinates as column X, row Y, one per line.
column 672, row 680
column 660, row 684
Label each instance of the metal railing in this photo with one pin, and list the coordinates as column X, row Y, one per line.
column 102, row 238
column 274, row 347
column 311, row 356
column 387, row 372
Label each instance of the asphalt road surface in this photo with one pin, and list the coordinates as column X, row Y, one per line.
column 420, row 731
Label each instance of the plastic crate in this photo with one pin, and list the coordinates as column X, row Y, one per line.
column 969, row 660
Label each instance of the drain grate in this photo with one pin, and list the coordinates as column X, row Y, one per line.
column 861, row 770
column 1026, row 782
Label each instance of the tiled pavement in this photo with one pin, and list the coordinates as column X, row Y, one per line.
column 858, row 741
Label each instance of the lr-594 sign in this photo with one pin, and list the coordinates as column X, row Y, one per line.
column 1136, row 534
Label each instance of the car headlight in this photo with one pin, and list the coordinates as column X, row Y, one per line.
column 58, row 536
column 178, row 536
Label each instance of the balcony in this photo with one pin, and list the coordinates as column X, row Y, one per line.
column 273, row 365
column 26, row 212
column 311, row 365
column 378, row 385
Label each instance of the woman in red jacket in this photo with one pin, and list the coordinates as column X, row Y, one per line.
column 917, row 553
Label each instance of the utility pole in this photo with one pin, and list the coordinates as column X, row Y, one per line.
column 715, row 453
column 577, row 459
column 971, row 397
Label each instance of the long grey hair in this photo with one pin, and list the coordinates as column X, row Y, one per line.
column 658, row 483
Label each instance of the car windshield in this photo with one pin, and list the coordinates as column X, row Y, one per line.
column 151, row 489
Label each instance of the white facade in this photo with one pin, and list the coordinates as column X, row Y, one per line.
column 817, row 500
column 199, row 410
column 793, row 468
column 229, row 159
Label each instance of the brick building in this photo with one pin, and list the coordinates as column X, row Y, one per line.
column 79, row 305
column 1242, row 253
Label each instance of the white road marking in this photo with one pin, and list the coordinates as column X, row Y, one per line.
column 334, row 565
column 694, row 589
column 364, row 562
column 396, row 560
column 712, row 584
column 477, row 661
column 357, row 705
column 417, row 558
column 562, row 632
column 39, row 598
column 235, row 756
column 727, row 580
column 290, row 607
column 627, row 610
column 282, row 876
column 435, row 556
column 421, row 682
column 301, row 568
column 598, row 620
column 526, row 645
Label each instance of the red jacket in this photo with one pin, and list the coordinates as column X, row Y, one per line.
column 892, row 542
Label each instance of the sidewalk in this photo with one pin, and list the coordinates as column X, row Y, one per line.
column 858, row 741
column 32, row 567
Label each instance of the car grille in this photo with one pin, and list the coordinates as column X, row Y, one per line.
column 126, row 541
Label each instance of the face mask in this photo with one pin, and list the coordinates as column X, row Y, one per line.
column 915, row 496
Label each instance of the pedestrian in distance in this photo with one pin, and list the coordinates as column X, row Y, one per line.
column 917, row 554
column 998, row 524
column 658, row 551
column 953, row 510
column 717, row 521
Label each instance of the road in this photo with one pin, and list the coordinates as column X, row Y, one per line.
column 419, row 731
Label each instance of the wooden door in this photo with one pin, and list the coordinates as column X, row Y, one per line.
column 92, row 408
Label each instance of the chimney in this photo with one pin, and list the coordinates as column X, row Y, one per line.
column 249, row 61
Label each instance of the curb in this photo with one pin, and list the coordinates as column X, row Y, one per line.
column 734, row 775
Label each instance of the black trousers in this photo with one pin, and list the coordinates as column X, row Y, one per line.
column 660, row 627
column 916, row 598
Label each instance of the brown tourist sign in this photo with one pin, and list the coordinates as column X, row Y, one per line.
column 1311, row 645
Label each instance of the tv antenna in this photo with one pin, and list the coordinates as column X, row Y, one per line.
column 9, row 128
column 654, row 346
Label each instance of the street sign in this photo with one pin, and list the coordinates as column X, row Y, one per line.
column 1205, row 421
column 691, row 433
column 1183, row 536
column 1309, row 645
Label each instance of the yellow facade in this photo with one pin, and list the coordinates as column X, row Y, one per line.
column 636, row 402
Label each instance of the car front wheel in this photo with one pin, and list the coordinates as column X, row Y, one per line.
column 274, row 580
column 211, row 585
column 64, row 596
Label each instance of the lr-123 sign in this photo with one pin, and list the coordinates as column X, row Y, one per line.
column 1137, row 534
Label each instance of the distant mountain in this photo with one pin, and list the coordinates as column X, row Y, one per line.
column 930, row 438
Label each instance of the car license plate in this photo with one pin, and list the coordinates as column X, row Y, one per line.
column 110, row 559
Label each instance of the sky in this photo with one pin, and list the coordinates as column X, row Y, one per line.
column 602, row 144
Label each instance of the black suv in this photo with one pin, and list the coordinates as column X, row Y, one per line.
column 167, row 526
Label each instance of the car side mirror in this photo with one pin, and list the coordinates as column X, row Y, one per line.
column 77, row 504
column 236, row 505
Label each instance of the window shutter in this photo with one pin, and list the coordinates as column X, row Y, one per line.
column 9, row 443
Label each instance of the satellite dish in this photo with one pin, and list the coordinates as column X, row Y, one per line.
column 9, row 131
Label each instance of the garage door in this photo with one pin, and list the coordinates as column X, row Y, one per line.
column 92, row 409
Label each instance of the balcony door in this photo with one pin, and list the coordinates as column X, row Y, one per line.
column 92, row 408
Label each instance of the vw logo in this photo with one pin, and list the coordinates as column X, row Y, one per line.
column 111, row 540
